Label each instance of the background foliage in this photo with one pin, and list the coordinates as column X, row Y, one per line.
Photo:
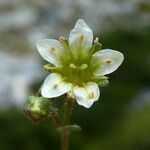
column 119, row 120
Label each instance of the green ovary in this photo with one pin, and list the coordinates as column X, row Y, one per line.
column 77, row 72
column 76, row 67
column 76, row 75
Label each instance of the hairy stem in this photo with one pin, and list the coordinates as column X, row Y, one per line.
column 56, row 119
column 65, row 133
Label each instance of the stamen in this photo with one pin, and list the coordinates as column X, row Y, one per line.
column 46, row 67
column 72, row 65
column 83, row 66
column 96, row 41
column 51, row 68
column 61, row 39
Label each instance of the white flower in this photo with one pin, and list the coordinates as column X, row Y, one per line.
column 77, row 65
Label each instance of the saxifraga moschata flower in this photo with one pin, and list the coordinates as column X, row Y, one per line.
column 77, row 65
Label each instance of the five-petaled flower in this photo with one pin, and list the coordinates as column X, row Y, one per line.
column 77, row 65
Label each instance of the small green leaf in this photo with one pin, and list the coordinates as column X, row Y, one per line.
column 64, row 41
column 101, row 81
column 70, row 128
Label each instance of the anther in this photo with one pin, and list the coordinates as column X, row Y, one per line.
column 50, row 68
column 46, row 67
column 96, row 41
column 61, row 38
column 83, row 66
column 72, row 65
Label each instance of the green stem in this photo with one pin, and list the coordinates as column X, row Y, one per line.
column 65, row 134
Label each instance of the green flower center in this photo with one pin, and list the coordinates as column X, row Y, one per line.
column 77, row 74
column 76, row 70
column 76, row 66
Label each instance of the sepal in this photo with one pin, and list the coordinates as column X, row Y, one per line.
column 51, row 68
column 95, row 48
column 101, row 81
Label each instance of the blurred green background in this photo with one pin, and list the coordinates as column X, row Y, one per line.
column 121, row 118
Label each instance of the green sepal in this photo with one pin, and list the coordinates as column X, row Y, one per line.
column 64, row 41
column 101, row 81
column 96, row 47
column 36, row 108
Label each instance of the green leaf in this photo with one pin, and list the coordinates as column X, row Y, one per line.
column 70, row 128
column 101, row 81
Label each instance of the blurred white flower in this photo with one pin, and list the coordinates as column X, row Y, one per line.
column 77, row 65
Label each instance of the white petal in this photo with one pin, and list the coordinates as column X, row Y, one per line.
column 54, row 86
column 109, row 60
column 81, row 31
column 86, row 96
column 50, row 50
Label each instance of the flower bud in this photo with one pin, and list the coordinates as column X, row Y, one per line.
column 36, row 108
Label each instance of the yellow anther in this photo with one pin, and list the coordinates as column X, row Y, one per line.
column 96, row 40
column 51, row 68
column 46, row 67
column 72, row 65
column 84, row 66
column 61, row 38
column 90, row 95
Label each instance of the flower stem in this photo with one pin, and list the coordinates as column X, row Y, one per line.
column 65, row 134
column 55, row 117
